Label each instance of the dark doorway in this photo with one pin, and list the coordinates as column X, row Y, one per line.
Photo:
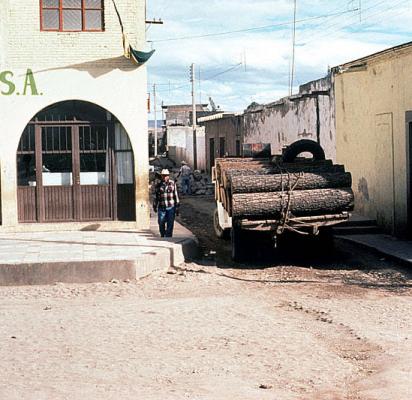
column 222, row 147
column 211, row 153
column 409, row 174
column 74, row 163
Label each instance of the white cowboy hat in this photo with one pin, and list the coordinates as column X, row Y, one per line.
column 165, row 172
column 184, row 163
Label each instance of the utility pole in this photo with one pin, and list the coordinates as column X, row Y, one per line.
column 155, row 122
column 292, row 72
column 194, row 117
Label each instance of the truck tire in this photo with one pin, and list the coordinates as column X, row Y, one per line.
column 238, row 243
column 303, row 146
column 219, row 231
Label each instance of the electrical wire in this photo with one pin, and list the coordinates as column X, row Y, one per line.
column 367, row 17
column 257, row 28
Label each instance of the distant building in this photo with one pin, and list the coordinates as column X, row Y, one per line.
column 181, row 114
column 310, row 114
column 224, row 134
column 179, row 133
column 161, row 137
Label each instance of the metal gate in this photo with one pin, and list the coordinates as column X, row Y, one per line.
column 66, row 172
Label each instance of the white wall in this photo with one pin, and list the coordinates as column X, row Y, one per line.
column 30, row 47
column 180, row 144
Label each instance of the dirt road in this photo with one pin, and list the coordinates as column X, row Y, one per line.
column 338, row 327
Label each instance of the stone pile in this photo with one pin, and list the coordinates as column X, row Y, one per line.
column 200, row 183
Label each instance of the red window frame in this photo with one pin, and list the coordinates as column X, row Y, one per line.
column 60, row 8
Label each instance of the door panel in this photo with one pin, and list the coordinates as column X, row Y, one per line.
column 383, row 194
column 57, row 173
column 58, row 203
column 96, row 202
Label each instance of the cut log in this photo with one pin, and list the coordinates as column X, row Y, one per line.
column 302, row 203
column 227, row 175
column 227, row 163
column 279, row 182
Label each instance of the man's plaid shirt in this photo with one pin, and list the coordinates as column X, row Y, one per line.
column 166, row 195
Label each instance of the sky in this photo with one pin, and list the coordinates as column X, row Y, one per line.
column 253, row 65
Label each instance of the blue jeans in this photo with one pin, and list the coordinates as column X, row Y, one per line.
column 186, row 185
column 166, row 220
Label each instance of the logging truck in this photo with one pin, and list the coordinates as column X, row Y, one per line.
column 279, row 194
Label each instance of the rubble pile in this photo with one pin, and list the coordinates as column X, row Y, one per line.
column 200, row 182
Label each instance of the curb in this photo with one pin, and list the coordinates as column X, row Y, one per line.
column 154, row 260
column 377, row 250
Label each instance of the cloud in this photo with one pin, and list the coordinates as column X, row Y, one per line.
column 321, row 43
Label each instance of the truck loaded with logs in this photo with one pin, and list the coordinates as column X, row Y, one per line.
column 279, row 194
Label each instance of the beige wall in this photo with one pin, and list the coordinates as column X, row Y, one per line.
column 73, row 66
column 371, row 106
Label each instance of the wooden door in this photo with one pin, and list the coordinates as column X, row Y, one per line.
column 96, row 173
column 55, row 166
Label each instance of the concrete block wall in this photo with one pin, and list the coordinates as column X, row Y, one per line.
column 27, row 45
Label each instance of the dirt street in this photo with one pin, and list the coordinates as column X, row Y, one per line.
column 283, row 325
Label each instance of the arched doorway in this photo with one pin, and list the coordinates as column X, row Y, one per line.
column 75, row 163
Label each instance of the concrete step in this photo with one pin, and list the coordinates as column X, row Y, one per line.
column 356, row 230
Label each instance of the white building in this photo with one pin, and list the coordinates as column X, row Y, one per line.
column 73, row 114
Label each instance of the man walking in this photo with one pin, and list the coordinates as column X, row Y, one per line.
column 166, row 204
column 186, row 172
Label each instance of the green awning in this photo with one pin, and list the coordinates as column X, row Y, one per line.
column 140, row 57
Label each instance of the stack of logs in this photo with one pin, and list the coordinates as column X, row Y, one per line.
column 265, row 189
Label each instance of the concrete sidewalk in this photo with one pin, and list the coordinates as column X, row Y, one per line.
column 386, row 245
column 37, row 258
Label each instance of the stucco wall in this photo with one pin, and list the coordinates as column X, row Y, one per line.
column 180, row 145
column 230, row 128
column 371, row 103
column 293, row 118
column 74, row 66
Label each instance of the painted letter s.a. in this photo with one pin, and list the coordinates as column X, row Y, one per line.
column 4, row 79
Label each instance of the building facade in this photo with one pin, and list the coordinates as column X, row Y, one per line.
column 179, row 134
column 73, row 114
column 374, row 134
column 310, row 114
column 223, row 136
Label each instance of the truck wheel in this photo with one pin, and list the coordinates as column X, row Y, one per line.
column 303, row 146
column 219, row 231
column 238, row 245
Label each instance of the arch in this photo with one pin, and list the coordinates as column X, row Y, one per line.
column 75, row 162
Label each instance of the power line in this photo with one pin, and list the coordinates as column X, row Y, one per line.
column 257, row 28
column 208, row 78
column 233, row 67
column 328, row 33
